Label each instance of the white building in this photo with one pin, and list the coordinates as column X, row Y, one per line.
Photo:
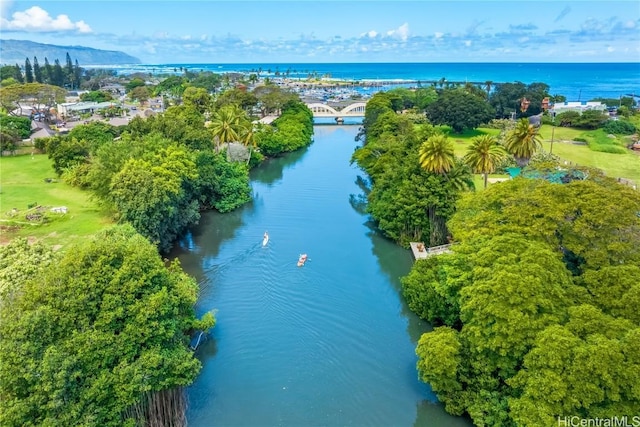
column 579, row 106
column 67, row 109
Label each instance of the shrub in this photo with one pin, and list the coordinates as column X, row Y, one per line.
column 21, row 126
column 41, row 144
column 619, row 127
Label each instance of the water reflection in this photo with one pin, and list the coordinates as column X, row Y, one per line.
column 431, row 413
column 324, row 344
column 272, row 172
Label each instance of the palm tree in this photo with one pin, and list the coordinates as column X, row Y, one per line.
column 487, row 86
column 436, row 154
column 227, row 124
column 523, row 141
column 484, row 155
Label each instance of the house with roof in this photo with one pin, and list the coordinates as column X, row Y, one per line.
column 68, row 109
column 579, row 106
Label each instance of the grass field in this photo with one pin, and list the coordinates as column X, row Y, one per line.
column 22, row 183
column 625, row 165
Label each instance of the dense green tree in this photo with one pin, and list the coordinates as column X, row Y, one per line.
column 506, row 98
column 390, row 123
column 77, row 76
column 169, row 85
column 592, row 223
column 432, row 291
column 439, row 359
column 68, row 72
column 28, row 71
column 197, row 98
column 134, row 83
column 289, row 132
column 272, row 98
column 620, row 127
column 155, row 194
column 21, row 124
column 424, row 97
column 518, row 289
column 66, row 152
column 460, row 109
column 57, row 78
column 7, row 72
column 12, row 130
column 48, row 72
column 615, row 290
column 591, row 119
column 523, row 141
column 207, row 80
column 238, row 97
column 37, row 71
column 18, row 74
column 86, row 341
column 589, row 368
column 484, row 155
column 96, row 96
column 224, row 184
column 140, row 94
column 567, row 118
column 379, row 103
column 541, row 289
column 19, row 262
column 8, row 140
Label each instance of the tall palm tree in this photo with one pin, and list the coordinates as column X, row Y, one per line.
column 523, row 141
column 484, row 155
column 227, row 124
column 487, row 86
column 436, row 154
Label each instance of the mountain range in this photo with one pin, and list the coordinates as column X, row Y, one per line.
column 16, row 51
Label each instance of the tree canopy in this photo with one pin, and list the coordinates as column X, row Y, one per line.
column 85, row 341
column 536, row 303
column 460, row 109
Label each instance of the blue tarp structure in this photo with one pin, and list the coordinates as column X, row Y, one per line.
column 513, row 172
column 555, row 176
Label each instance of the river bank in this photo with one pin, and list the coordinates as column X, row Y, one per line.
column 329, row 343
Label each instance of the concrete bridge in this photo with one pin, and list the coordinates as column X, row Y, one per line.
column 323, row 110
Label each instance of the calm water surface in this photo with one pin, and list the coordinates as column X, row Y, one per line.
column 327, row 344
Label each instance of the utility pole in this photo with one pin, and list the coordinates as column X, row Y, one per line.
column 553, row 128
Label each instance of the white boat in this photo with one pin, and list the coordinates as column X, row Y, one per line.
column 265, row 239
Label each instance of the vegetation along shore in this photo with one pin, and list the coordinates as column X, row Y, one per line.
column 532, row 306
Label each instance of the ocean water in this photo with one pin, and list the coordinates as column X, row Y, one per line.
column 576, row 81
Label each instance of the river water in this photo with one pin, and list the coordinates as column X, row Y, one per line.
column 327, row 344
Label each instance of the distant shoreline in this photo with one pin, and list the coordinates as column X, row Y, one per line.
column 577, row 81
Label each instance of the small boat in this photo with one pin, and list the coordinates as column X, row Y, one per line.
column 265, row 239
column 302, row 260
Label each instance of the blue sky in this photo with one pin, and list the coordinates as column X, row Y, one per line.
column 210, row 31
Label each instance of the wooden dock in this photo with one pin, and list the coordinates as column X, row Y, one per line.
column 420, row 251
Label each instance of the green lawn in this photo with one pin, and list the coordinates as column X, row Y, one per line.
column 22, row 183
column 625, row 165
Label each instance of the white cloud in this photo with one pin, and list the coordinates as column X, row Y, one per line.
column 438, row 35
column 467, row 43
column 611, row 49
column 36, row 19
column 402, row 32
column 371, row 34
